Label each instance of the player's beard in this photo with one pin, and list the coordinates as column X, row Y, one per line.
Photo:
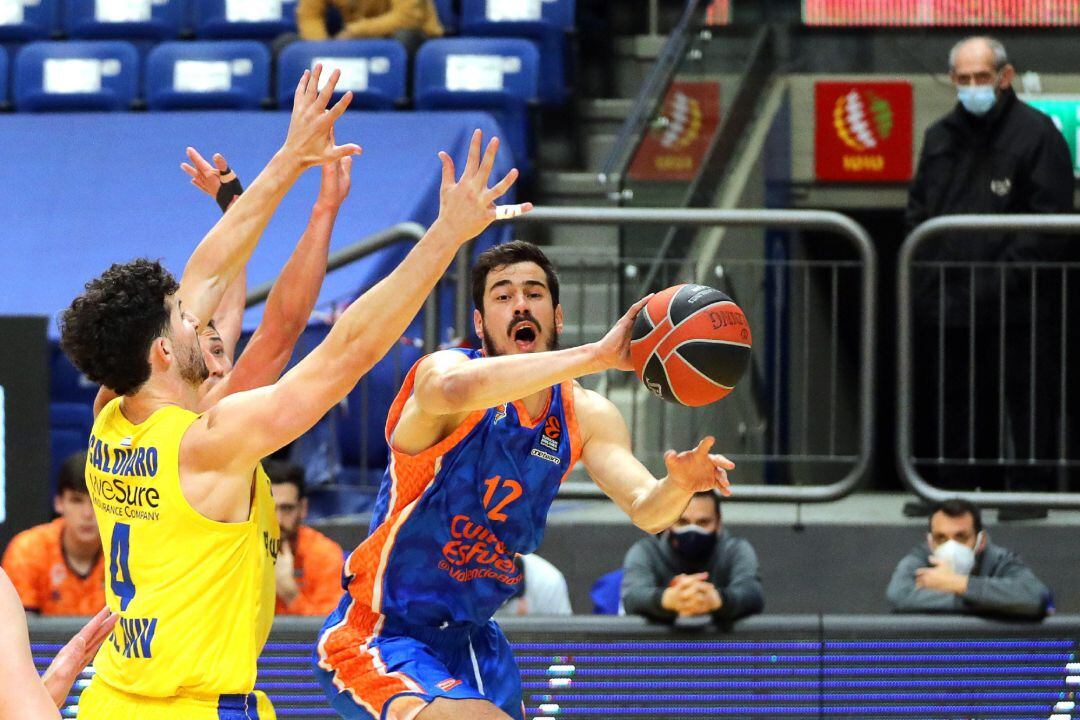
column 191, row 366
column 491, row 351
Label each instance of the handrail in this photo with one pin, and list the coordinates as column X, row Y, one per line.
column 721, row 152
column 360, row 249
column 650, row 96
column 1052, row 224
column 795, row 219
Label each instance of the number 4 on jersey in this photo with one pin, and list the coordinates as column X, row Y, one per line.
column 119, row 574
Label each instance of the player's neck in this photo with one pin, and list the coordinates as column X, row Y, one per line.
column 536, row 403
column 161, row 390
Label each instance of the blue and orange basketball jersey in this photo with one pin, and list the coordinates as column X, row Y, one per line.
column 449, row 521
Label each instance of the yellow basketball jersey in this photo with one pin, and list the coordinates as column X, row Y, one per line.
column 195, row 596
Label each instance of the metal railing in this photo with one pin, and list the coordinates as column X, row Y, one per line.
column 866, row 302
column 715, row 165
column 360, row 249
column 1005, row 323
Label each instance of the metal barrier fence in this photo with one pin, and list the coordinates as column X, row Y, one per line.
column 993, row 413
column 801, row 422
column 798, row 666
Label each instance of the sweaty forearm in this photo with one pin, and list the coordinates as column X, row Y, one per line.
column 492, row 381
column 225, row 250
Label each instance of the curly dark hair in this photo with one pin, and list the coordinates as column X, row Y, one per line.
column 108, row 330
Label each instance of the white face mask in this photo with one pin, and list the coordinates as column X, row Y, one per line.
column 960, row 557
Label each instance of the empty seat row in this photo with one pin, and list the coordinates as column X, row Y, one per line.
column 499, row 75
column 545, row 22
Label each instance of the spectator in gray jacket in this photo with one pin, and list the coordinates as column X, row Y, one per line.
column 694, row 568
column 960, row 571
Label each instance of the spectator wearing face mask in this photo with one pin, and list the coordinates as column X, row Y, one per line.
column 692, row 569
column 992, row 154
column 960, row 571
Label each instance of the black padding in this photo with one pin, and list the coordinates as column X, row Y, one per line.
column 655, row 378
column 692, row 298
column 642, row 325
column 720, row 362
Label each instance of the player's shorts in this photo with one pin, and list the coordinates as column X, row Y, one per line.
column 103, row 702
column 362, row 669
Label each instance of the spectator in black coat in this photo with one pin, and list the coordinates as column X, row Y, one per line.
column 992, row 154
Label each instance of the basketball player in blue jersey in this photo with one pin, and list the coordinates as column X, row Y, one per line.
column 480, row 442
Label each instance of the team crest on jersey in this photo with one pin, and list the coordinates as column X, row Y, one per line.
column 552, row 433
column 448, row 684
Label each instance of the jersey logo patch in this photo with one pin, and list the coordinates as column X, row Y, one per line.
column 537, row 452
column 448, row 684
column 553, row 428
column 500, row 413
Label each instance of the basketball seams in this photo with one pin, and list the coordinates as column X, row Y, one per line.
column 687, row 319
column 703, row 375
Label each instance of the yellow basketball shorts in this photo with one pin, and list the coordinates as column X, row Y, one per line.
column 102, row 702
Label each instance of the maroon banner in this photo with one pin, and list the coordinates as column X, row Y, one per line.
column 863, row 131
column 674, row 152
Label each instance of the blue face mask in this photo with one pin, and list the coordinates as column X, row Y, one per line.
column 977, row 99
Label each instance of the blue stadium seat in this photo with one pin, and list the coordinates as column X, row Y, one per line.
column 606, row 594
column 498, row 75
column 75, row 75
column 255, row 19
column 447, row 15
column 21, row 22
column 226, row 74
column 124, row 19
column 373, row 69
column 546, row 22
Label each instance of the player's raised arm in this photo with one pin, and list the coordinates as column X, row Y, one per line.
column 293, row 295
column 247, row 426
column 220, row 182
column 226, row 248
column 652, row 504
column 447, row 384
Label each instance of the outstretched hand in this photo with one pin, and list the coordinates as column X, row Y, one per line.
column 697, row 471
column 467, row 205
column 310, row 138
column 336, row 182
column 205, row 176
column 76, row 655
column 613, row 350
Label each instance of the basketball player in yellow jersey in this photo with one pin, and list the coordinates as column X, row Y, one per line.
column 176, row 494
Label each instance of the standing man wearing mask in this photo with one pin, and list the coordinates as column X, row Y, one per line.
column 693, row 568
column 960, row 571
column 991, row 155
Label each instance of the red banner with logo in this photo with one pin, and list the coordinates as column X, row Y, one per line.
column 674, row 152
column 863, row 131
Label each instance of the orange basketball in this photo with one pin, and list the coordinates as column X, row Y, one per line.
column 690, row 345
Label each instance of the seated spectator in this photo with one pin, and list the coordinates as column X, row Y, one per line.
column 58, row 567
column 694, row 568
column 542, row 592
column 308, row 563
column 410, row 22
column 960, row 571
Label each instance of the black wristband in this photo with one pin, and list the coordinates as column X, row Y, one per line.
column 228, row 192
